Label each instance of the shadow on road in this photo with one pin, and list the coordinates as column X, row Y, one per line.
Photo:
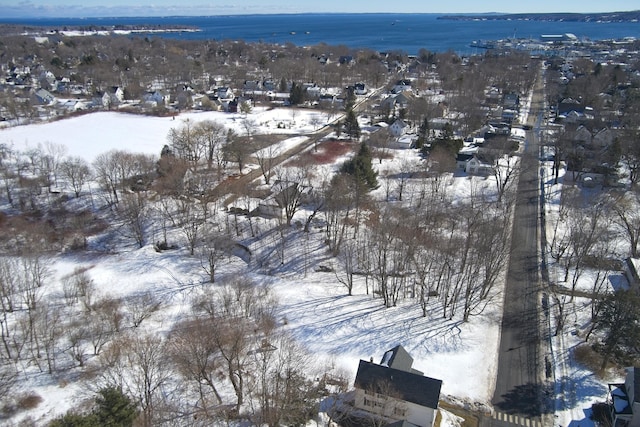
column 524, row 400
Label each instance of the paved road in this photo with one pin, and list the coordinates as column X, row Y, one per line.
column 519, row 386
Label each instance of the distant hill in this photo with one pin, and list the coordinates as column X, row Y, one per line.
column 631, row 16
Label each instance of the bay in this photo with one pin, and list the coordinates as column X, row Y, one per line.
column 380, row 32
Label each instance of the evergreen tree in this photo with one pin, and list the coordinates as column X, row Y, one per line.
column 71, row 419
column 297, row 94
column 351, row 126
column 350, row 98
column 360, row 168
column 423, row 133
column 619, row 323
column 114, row 408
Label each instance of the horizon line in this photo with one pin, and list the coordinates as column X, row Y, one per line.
column 205, row 15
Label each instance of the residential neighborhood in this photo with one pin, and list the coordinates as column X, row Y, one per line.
column 231, row 233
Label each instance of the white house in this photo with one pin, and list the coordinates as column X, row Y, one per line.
column 117, row 95
column 625, row 400
column 405, row 141
column 398, row 128
column 112, row 96
column 632, row 272
column 225, row 93
column 478, row 165
column 156, row 98
column 394, row 391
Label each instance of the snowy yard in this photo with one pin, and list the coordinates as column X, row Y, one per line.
column 336, row 328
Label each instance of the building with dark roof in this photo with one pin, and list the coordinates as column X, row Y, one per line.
column 393, row 390
column 625, row 400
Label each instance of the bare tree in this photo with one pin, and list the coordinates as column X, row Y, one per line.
column 236, row 150
column 135, row 215
column 214, row 249
column 8, row 171
column 142, row 306
column 213, row 135
column 349, row 263
column 340, row 202
column 267, row 160
column 106, row 172
column 188, row 143
column 284, row 392
column 49, row 327
column 52, row 159
column 191, row 220
column 75, row 170
column 289, row 189
column 104, row 322
column 194, row 353
column 149, row 373
column 627, row 218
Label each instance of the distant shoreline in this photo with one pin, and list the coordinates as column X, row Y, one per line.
column 608, row 17
column 90, row 30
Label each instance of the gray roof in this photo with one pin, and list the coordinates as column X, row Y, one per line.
column 410, row 387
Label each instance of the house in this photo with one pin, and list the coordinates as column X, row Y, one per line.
column 398, row 128
column 582, row 136
column 44, row 97
column 479, row 165
column 224, row 93
column 270, row 85
column 406, row 141
column 156, row 98
column 112, row 96
column 632, row 272
column 509, row 115
column 252, row 85
column 625, row 400
column 462, row 159
column 73, row 105
column 401, row 86
column 360, row 89
column 567, row 105
column 283, row 194
column 603, row 138
column 573, row 116
column 511, row 101
column 346, row 60
column 395, row 392
column 117, row 95
column 403, row 99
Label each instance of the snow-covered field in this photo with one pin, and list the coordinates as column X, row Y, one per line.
column 314, row 306
column 89, row 135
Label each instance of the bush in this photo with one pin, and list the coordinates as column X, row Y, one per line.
column 113, row 409
column 29, row 401
column 587, row 356
column 71, row 419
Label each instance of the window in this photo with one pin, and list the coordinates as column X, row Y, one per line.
column 399, row 412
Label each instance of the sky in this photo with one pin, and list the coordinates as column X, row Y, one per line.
column 93, row 8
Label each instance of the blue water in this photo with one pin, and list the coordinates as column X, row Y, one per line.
column 381, row 32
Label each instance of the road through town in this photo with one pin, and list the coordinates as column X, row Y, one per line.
column 519, row 386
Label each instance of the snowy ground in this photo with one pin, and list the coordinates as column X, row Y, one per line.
column 576, row 387
column 338, row 328
column 89, row 135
